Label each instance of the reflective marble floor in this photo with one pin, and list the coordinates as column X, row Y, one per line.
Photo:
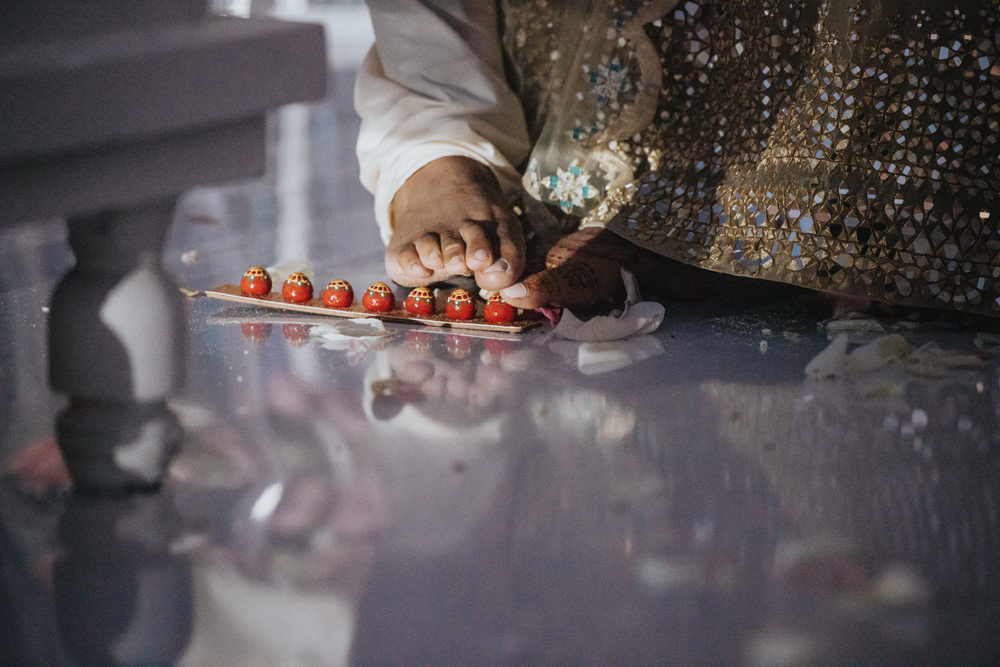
column 689, row 496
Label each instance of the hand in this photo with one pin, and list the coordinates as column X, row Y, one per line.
column 581, row 269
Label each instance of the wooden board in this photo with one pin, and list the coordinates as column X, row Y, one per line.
column 275, row 301
column 239, row 315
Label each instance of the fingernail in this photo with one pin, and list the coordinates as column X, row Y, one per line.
column 481, row 254
column 515, row 291
column 499, row 266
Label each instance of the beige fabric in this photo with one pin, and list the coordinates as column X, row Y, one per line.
column 434, row 86
column 844, row 146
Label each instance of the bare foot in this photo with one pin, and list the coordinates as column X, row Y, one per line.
column 449, row 219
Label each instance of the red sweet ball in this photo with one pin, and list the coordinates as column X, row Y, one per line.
column 296, row 334
column 297, row 288
column 378, row 298
column 338, row 294
column 497, row 348
column 459, row 347
column 255, row 282
column 419, row 341
column 256, row 332
column 420, row 302
column 460, row 305
column 498, row 310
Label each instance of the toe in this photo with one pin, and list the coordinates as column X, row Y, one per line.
column 570, row 285
column 478, row 249
column 508, row 268
column 404, row 266
column 429, row 249
column 453, row 249
column 496, row 276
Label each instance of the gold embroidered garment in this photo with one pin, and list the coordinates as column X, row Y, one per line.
column 842, row 146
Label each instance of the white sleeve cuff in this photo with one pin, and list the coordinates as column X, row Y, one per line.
column 402, row 131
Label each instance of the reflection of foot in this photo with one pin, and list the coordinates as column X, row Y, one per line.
column 39, row 468
column 449, row 219
column 820, row 564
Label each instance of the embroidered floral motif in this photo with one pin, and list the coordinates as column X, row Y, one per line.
column 582, row 132
column 608, row 81
column 570, row 187
column 530, row 181
column 583, row 108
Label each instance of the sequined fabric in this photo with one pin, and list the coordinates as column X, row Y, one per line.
column 849, row 147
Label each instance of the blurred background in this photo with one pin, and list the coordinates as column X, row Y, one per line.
column 303, row 494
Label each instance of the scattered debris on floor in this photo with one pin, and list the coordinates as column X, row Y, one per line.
column 929, row 360
column 987, row 341
column 853, row 321
column 595, row 358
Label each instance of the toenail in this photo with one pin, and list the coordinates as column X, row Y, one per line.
column 481, row 254
column 434, row 257
column 515, row 291
column 499, row 266
column 456, row 261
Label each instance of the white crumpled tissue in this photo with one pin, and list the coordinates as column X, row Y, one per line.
column 280, row 271
column 342, row 334
column 637, row 318
column 595, row 358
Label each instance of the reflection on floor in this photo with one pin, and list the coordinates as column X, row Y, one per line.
column 435, row 497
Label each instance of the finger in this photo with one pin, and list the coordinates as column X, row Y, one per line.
column 572, row 284
column 404, row 266
column 533, row 292
column 453, row 248
column 478, row 249
column 429, row 249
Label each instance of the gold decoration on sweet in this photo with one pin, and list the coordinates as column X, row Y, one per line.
column 420, row 301
column 460, row 305
column 378, row 298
